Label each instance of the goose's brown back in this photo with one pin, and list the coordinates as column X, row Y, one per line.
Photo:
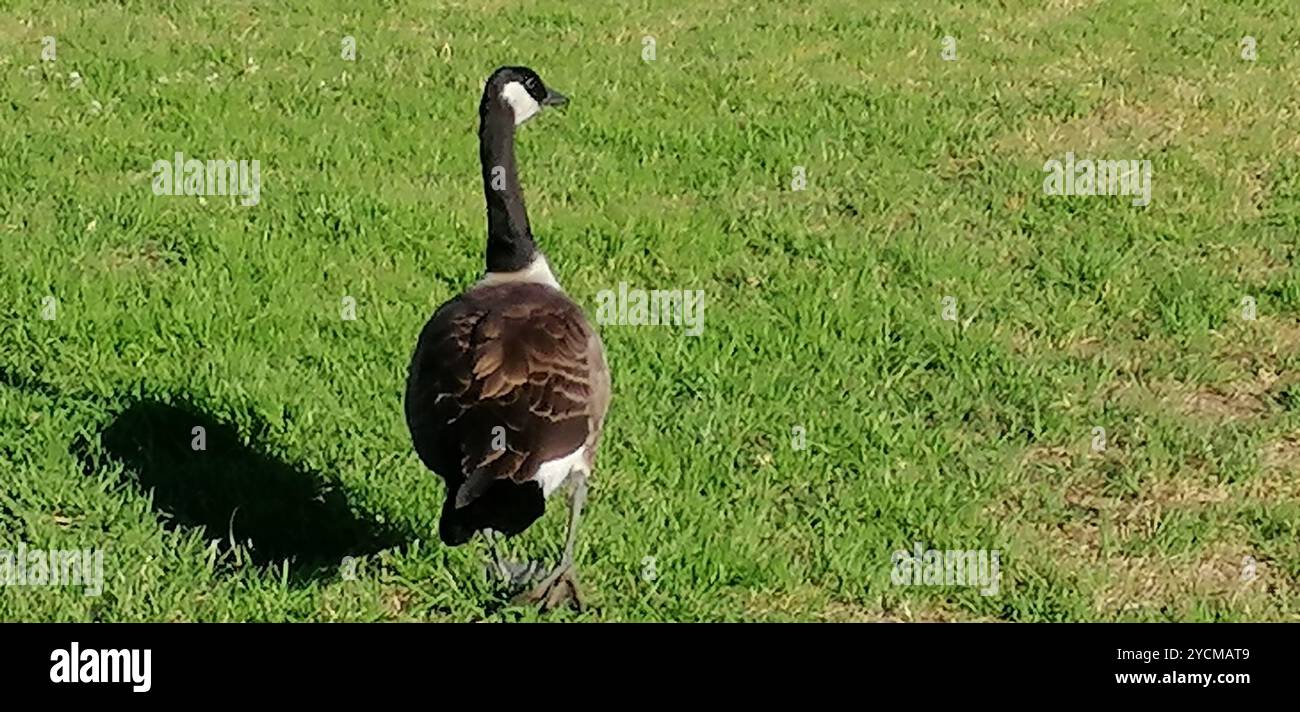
column 505, row 377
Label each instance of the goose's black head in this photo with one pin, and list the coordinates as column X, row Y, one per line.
column 521, row 90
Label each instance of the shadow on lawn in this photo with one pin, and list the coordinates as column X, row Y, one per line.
column 275, row 511
column 232, row 492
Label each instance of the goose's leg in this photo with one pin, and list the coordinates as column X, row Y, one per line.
column 511, row 572
column 497, row 566
column 561, row 583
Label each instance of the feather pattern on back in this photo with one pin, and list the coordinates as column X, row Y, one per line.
column 505, row 378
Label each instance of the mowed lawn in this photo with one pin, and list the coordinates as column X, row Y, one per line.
column 824, row 307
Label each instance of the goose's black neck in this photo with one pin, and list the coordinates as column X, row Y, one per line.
column 510, row 241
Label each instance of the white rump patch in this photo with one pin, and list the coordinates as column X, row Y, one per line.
column 552, row 473
column 520, row 101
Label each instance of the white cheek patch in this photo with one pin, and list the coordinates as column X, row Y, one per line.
column 520, row 101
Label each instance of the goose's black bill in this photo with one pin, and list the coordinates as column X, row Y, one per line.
column 554, row 98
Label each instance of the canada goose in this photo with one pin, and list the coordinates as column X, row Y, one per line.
column 508, row 387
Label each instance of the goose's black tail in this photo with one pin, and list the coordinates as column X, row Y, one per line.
column 506, row 507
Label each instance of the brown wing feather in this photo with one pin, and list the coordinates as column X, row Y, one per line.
column 508, row 362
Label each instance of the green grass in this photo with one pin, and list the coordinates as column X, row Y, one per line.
column 822, row 306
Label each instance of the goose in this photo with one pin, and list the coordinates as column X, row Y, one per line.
column 508, row 387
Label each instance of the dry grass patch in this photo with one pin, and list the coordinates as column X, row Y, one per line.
column 1262, row 344
column 1239, row 400
column 1084, row 539
column 1055, row 11
column 1113, row 125
column 1249, row 263
column 1049, row 457
column 1124, row 582
column 1252, row 191
column 1236, row 401
column 1279, row 480
column 810, row 603
column 149, row 256
column 1221, row 571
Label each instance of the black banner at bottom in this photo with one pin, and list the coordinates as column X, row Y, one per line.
column 234, row 662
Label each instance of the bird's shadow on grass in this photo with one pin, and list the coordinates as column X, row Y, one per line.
column 200, row 474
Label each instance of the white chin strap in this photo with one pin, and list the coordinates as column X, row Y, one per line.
column 521, row 102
